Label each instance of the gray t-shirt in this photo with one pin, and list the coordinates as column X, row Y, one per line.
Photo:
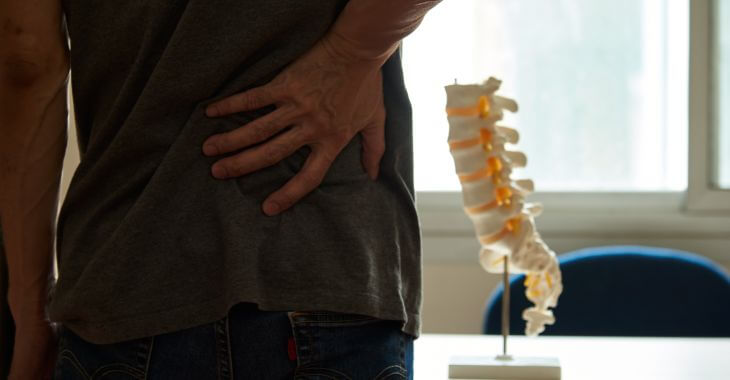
column 149, row 242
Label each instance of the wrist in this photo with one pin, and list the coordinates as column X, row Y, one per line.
column 27, row 302
column 350, row 52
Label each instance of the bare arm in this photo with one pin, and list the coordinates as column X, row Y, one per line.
column 33, row 75
column 373, row 29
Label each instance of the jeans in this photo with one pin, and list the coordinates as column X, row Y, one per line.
column 250, row 344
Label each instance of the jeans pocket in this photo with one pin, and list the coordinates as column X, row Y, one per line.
column 67, row 364
column 79, row 359
column 326, row 318
column 348, row 346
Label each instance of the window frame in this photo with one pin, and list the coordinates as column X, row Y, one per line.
column 697, row 219
column 702, row 197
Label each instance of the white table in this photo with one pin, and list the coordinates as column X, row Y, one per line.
column 587, row 358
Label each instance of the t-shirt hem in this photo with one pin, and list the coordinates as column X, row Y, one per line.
column 200, row 313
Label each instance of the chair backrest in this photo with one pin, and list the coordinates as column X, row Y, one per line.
column 628, row 291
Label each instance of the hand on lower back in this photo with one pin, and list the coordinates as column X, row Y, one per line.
column 324, row 99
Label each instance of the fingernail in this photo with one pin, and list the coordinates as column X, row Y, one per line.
column 375, row 175
column 210, row 149
column 271, row 208
column 219, row 172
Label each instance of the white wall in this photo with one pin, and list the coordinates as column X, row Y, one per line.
column 454, row 296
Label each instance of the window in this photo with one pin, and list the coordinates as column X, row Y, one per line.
column 618, row 101
column 602, row 88
column 722, row 103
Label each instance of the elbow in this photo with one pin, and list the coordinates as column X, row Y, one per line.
column 22, row 69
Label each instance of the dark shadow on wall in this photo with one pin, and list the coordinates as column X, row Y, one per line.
column 7, row 326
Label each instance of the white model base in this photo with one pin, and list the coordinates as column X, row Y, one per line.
column 504, row 368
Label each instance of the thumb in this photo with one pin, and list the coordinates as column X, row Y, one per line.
column 373, row 147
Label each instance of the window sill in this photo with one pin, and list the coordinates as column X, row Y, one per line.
column 574, row 220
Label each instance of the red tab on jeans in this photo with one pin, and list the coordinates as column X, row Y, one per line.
column 292, row 349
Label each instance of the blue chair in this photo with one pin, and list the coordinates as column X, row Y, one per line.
column 628, row 291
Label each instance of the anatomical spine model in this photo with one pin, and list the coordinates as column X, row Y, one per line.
column 504, row 223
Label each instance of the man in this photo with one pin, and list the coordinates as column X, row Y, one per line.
column 232, row 152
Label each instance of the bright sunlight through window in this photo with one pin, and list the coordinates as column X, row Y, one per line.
column 601, row 84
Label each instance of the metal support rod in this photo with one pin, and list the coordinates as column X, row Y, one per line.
column 505, row 306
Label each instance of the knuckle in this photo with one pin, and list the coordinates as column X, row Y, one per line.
column 230, row 168
column 284, row 94
column 248, row 102
column 321, row 120
column 342, row 137
column 295, row 85
column 221, row 108
column 230, row 142
column 304, row 109
column 306, row 134
column 230, row 105
column 319, row 129
column 261, row 131
column 220, row 142
column 307, row 105
column 276, row 151
column 300, row 110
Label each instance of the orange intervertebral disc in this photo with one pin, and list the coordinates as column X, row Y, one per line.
column 481, row 109
column 493, row 169
column 486, row 139
column 484, row 107
column 481, row 208
column 503, row 196
column 462, row 144
column 494, row 165
column 513, row 225
column 481, row 173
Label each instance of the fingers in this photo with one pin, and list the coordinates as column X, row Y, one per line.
column 249, row 134
column 245, row 101
column 259, row 157
column 373, row 147
column 309, row 177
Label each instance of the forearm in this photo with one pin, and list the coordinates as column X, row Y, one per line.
column 32, row 144
column 373, row 29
